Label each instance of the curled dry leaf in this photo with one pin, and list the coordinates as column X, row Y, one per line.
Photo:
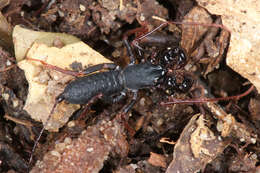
column 196, row 147
column 157, row 160
column 228, row 126
column 243, row 19
column 192, row 34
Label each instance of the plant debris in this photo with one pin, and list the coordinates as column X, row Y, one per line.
column 242, row 19
column 46, row 84
column 88, row 152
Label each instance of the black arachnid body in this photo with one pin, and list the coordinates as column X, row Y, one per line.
column 113, row 84
column 110, row 83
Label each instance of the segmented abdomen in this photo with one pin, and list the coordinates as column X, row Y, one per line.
column 81, row 90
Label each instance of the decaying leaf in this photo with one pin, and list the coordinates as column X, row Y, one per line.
column 46, row 84
column 243, row 19
column 157, row 160
column 196, row 147
column 228, row 126
column 192, row 34
column 5, row 33
column 24, row 38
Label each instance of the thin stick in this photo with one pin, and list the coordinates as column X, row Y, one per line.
column 18, row 121
column 8, row 68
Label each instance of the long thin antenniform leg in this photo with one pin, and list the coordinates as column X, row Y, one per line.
column 69, row 72
column 44, row 125
column 135, row 42
column 136, row 31
column 142, row 29
column 204, row 100
column 88, row 70
column 149, row 33
column 192, row 23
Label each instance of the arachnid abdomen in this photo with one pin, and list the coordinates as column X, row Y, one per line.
column 81, row 90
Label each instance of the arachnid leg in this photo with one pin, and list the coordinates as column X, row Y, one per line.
column 130, row 52
column 58, row 100
column 127, row 107
column 87, row 106
column 122, row 115
column 109, row 66
column 114, row 99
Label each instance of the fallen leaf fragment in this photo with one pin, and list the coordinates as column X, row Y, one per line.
column 46, row 84
column 23, row 39
column 157, row 160
column 228, row 126
column 243, row 19
column 254, row 108
column 196, row 147
column 192, row 34
column 201, row 135
column 5, row 33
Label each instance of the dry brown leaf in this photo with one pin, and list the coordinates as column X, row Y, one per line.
column 46, row 84
column 24, row 38
column 157, row 160
column 196, row 147
column 243, row 19
column 5, row 33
